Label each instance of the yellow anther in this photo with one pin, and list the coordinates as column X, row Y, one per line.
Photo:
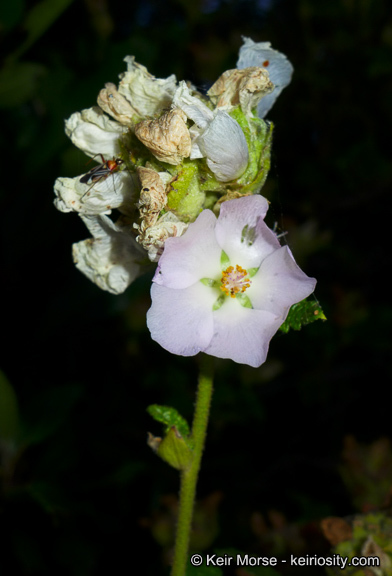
column 234, row 281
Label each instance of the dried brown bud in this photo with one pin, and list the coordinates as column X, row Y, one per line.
column 166, row 137
column 243, row 87
column 113, row 103
column 152, row 197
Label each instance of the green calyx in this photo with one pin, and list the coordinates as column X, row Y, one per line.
column 174, row 450
column 176, row 447
column 185, row 197
column 258, row 134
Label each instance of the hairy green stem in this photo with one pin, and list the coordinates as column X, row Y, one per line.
column 190, row 474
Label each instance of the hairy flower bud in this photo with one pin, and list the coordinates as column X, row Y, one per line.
column 166, row 137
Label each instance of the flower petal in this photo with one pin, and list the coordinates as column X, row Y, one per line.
column 94, row 133
column 181, row 320
column 242, row 334
column 279, row 283
column 112, row 258
column 279, row 68
column 242, row 233
column 191, row 257
column 180, row 301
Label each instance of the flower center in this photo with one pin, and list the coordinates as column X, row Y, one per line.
column 234, row 281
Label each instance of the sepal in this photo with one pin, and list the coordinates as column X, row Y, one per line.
column 176, row 448
column 172, row 448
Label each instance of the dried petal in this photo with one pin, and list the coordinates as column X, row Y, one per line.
column 111, row 259
column 279, row 68
column 193, row 107
column 241, row 87
column 94, row 133
column 218, row 137
column 153, row 197
column 147, row 94
column 153, row 238
column 166, row 137
column 113, row 103
column 118, row 190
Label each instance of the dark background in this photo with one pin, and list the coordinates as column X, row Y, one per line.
column 83, row 494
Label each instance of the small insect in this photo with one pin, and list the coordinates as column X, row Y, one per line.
column 101, row 171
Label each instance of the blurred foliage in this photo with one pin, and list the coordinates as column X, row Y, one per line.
column 362, row 536
column 77, row 479
column 367, row 472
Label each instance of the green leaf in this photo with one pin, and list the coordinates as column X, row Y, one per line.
column 303, row 313
column 169, row 417
column 9, row 410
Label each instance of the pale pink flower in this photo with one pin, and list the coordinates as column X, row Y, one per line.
column 225, row 286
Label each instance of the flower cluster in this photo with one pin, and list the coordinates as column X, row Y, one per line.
column 167, row 153
column 172, row 159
